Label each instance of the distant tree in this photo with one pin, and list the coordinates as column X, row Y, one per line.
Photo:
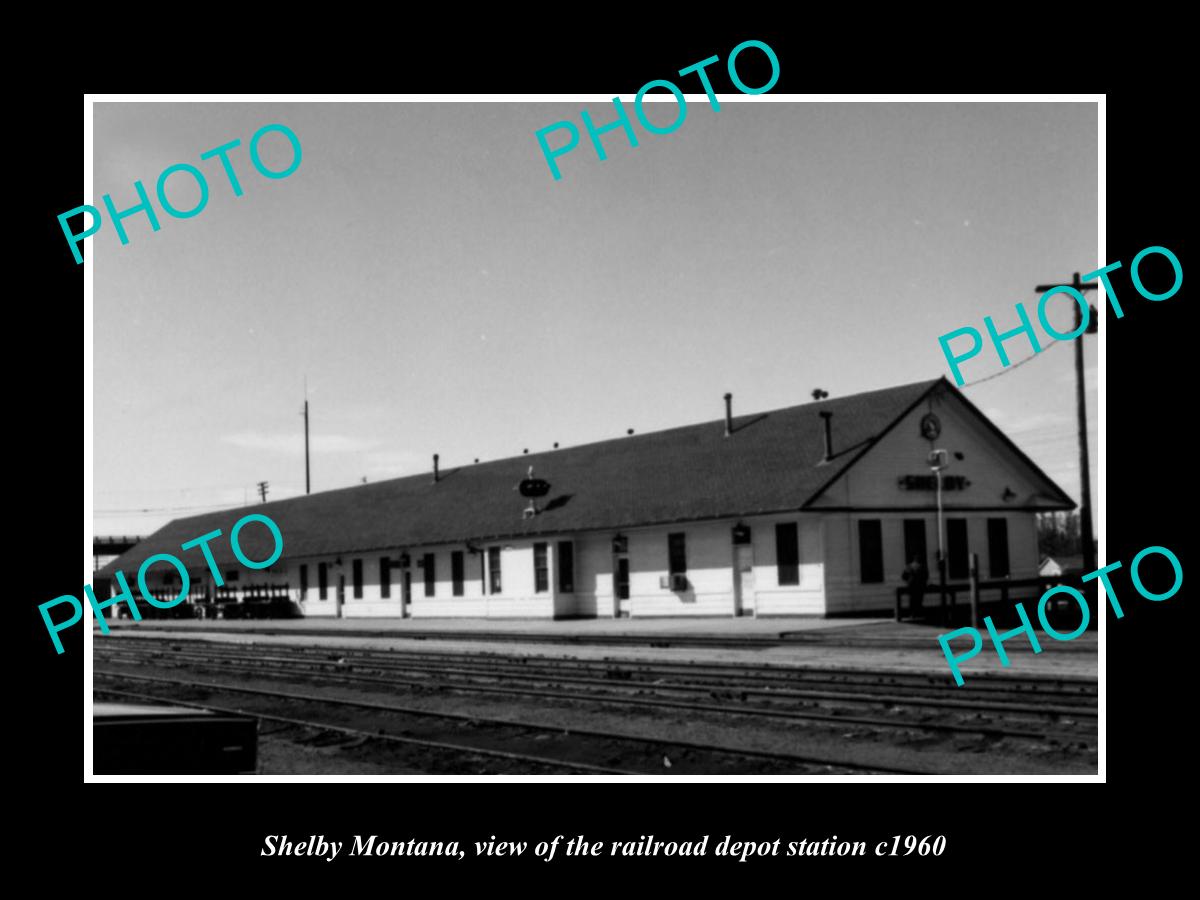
column 1058, row 534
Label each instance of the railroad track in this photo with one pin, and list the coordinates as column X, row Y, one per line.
column 361, row 736
column 915, row 685
column 651, row 752
column 632, row 687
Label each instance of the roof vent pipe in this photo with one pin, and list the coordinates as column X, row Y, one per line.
column 435, row 468
column 828, row 417
column 728, row 414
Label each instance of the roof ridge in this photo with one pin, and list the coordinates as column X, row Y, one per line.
column 927, row 382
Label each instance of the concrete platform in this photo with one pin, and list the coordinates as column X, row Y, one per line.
column 740, row 627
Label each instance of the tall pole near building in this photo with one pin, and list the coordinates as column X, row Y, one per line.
column 938, row 461
column 1085, row 470
column 307, row 477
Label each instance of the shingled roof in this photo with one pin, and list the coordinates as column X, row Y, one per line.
column 770, row 463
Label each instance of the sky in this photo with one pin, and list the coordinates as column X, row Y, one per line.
column 440, row 292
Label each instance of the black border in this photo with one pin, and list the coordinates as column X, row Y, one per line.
column 211, row 835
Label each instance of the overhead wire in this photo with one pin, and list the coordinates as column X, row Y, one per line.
column 1007, row 369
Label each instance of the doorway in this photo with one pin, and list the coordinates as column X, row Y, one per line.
column 743, row 580
column 341, row 595
column 621, row 585
column 914, row 543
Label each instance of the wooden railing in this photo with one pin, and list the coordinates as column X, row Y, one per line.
column 227, row 601
column 250, row 593
column 973, row 589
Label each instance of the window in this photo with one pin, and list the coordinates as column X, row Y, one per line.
column 566, row 567
column 323, row 580
column 430, row 568
column 621, row 579
column 870, row 550
column 956, row 548
column 303, row 581
column 541, row 569
column 385, row 577
column 356, row 570
column 787, row 552
column 456, row 572
column 231, row 575
column 998, row 548
column 914, row 542
column 677, row 553
column 494, row 569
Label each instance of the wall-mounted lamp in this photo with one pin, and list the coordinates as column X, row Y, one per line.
column 1009, row 494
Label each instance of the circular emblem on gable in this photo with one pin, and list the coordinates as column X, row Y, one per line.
column 534, row 487
column 931, row 427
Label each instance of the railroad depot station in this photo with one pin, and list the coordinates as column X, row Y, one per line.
column 810, row 510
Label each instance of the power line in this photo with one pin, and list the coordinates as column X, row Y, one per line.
column 175, row 490
column 1035, row 438
column 137, row 511
column 1008, row 369
column 158, row 509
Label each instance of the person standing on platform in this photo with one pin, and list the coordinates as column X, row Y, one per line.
column 916, row 576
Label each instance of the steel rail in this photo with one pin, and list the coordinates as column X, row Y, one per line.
column 510, row 723
column 382, row 736
column 759, row 712
column 980, row 682
column 540, row 674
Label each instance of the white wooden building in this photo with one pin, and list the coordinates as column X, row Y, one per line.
column 809, row 510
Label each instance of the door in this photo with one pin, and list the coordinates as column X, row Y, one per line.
column 621, row 584
column 407, row 593
column 914, row 542
column 743, row 579
column 341, row 595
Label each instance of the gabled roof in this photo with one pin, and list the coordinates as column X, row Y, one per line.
column 1066, row 563
column 770, row 463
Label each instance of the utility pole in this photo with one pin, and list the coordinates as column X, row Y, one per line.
column 938, row 460
column 307, row 477
column 1085, row 471
column 262, row 490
